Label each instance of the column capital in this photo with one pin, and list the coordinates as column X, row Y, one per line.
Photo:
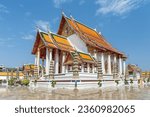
column 64, row 53
column 109, row 53
column 124, row 58
column 50, row 49
column 114, row 54
column 95, row 50
column 120, row 56
column 38, row 49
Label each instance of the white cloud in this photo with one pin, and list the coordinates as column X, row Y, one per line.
column 57, row 3
column 3, row 9
column 28, row 37
column 117, row 7
column 42, row 24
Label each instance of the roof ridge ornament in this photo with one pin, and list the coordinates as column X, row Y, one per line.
column 37, row 28
column 72, row 17
column 63, row 13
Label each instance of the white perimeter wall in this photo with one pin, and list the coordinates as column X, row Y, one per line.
column 77, row 43
column 5, row 77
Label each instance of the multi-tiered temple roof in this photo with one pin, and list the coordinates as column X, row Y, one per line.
column 60, row 41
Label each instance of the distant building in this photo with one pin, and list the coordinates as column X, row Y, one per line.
column 145, row 74
column 28, row 70
column 8, row 75
column 2, row 68
column 134, row 72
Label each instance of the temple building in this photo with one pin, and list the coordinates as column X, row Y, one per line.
column 75, row 40
column 145, row 74
column 29, row 69
column 8, row 75
column 134, row 72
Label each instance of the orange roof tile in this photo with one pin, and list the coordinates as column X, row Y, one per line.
column 62, row 42
column 48, row 39
column 85, row 56
column 90, row 34
column 42, row 37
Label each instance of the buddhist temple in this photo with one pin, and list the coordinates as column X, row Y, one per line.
column 134, row 71
column 145, row 74
column 76, row 49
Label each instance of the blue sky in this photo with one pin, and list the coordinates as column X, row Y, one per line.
column 124, row 23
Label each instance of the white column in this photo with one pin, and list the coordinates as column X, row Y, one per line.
column 38, row 60
column 103, row 63
column 47, row 62
column 50, row 55
column 93, row 68
column 88, row 67
column 82, row 67
column 109, row 64
column 70, row 68
column 115, row 59
column 124, row 67
column 35, row 62
column 66, row 68
column 96, row 58
column 63, row 60
column 120, row 65
column 95, row 55
column 56, row 62
column 42, row 67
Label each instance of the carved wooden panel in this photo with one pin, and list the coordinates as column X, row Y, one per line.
column 67, row 31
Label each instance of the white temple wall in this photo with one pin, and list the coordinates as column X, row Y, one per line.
column 77, row 43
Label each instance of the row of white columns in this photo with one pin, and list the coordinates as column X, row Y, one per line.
column 88, row 68
column 98, row 56
column 57, row 59
column 122, row 64
column 48, row 59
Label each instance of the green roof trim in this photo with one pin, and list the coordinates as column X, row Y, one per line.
column 58, row 36
column 43, row 36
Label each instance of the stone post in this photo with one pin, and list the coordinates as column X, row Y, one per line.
column 115, row 73
column 99, row 70
column 75, row 66
column 56, row 61
column 51, row 70
column 35, row 72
